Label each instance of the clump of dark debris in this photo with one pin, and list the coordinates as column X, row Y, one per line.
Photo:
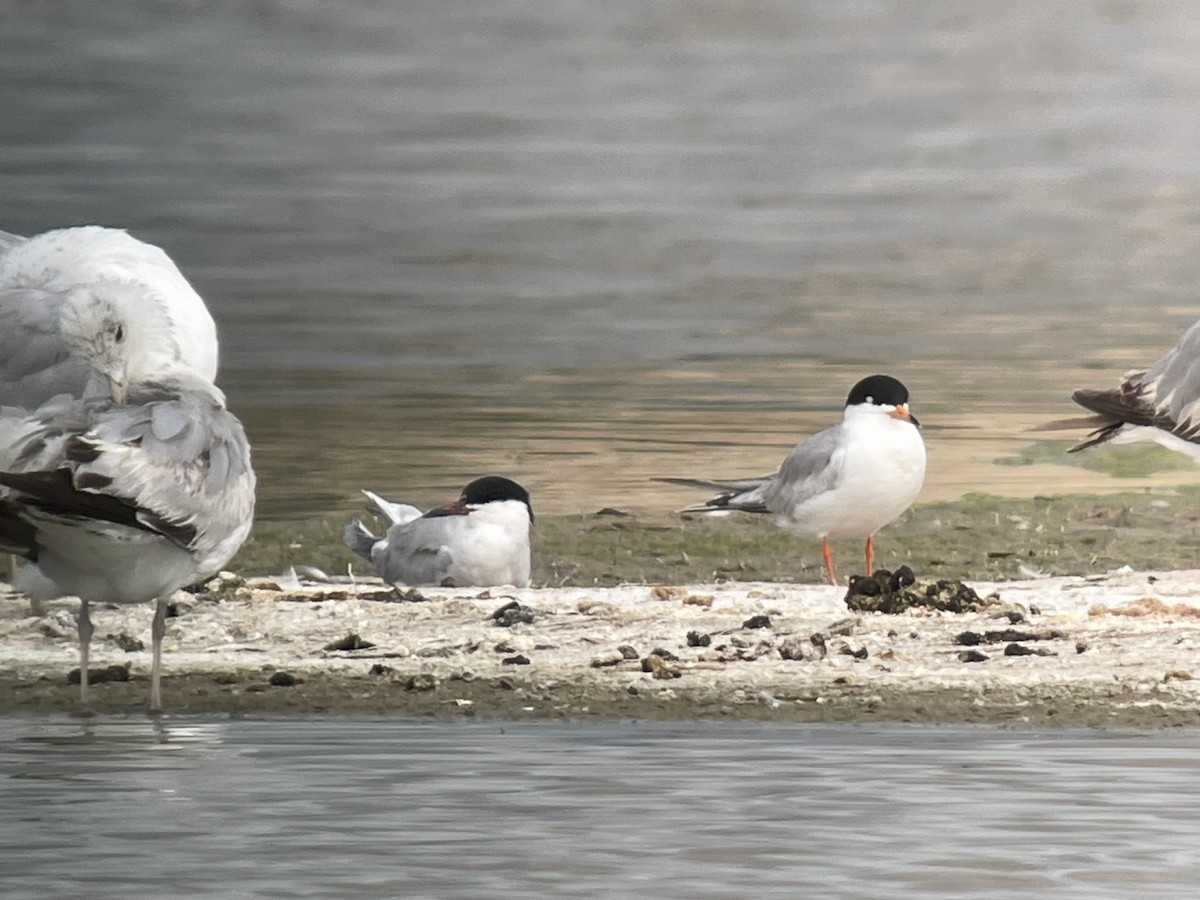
column 514, row 613
column 899, row 591
column 101, row 675
column 350, row 642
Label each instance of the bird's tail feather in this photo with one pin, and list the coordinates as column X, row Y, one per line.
column 734, row 493
column 392, row 513
column 359, row 540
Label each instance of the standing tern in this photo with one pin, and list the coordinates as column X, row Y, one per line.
column 846, row 481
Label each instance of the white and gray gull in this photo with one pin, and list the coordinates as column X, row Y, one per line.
column 138, row 486
column 846, row 481
column 481, row 539
column 1159, row 404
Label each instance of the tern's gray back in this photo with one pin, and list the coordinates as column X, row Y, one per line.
column 810, row 469
column 418, row 551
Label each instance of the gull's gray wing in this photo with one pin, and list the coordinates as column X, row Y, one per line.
column 35, row 363
column 1166, row 396
column 171, row 460
column 8, row 241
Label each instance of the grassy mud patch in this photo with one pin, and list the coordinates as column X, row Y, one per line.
column 977, row 537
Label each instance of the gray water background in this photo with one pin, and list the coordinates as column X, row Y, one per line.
column 585, row 242
column 396, row 808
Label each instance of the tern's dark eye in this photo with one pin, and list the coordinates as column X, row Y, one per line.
column 119, row 333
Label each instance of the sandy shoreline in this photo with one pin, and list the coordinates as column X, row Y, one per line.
column 588, row 652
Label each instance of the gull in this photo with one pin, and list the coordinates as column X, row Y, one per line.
column 846, row 481
column 481, row 539
column 137, row 488
column 65, row 275
column 51, row 282
column 1159, row 404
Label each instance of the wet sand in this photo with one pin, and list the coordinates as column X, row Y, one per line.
column 1113, row 650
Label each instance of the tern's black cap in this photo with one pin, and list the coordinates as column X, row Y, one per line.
column 495, row 487
column 878, row 390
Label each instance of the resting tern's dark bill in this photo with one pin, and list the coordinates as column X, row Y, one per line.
column 846, row 481
column 1160, row 404
column 481, row 539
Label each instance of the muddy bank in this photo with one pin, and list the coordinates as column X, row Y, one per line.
column 976, row 537
column 1118, row 650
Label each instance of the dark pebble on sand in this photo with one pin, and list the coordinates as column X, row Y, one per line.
column 129, row 643
column 628, row 652
column 757, row 622
column 380, row 669
column 698, row 639
column 349, row 642
column 519, row 660
column 282, row 679
column 970, row 656
column 1022, row 650
column 101, row 675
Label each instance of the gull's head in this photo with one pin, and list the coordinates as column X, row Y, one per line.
column 880, row 395
column 129, row 313
column 123, row 337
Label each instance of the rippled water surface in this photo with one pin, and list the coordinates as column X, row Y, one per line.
column 583, row 242
column 393, row 808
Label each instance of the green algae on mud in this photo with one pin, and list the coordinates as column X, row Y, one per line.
column 980, row 536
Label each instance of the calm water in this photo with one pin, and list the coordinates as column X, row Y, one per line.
column 585, row 242
column 387, row 808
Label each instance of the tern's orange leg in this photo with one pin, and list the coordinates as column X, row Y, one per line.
column 870, row 557
column 827, row 552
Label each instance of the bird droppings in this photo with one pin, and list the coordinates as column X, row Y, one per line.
column 897, row 592
column 514, row 613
